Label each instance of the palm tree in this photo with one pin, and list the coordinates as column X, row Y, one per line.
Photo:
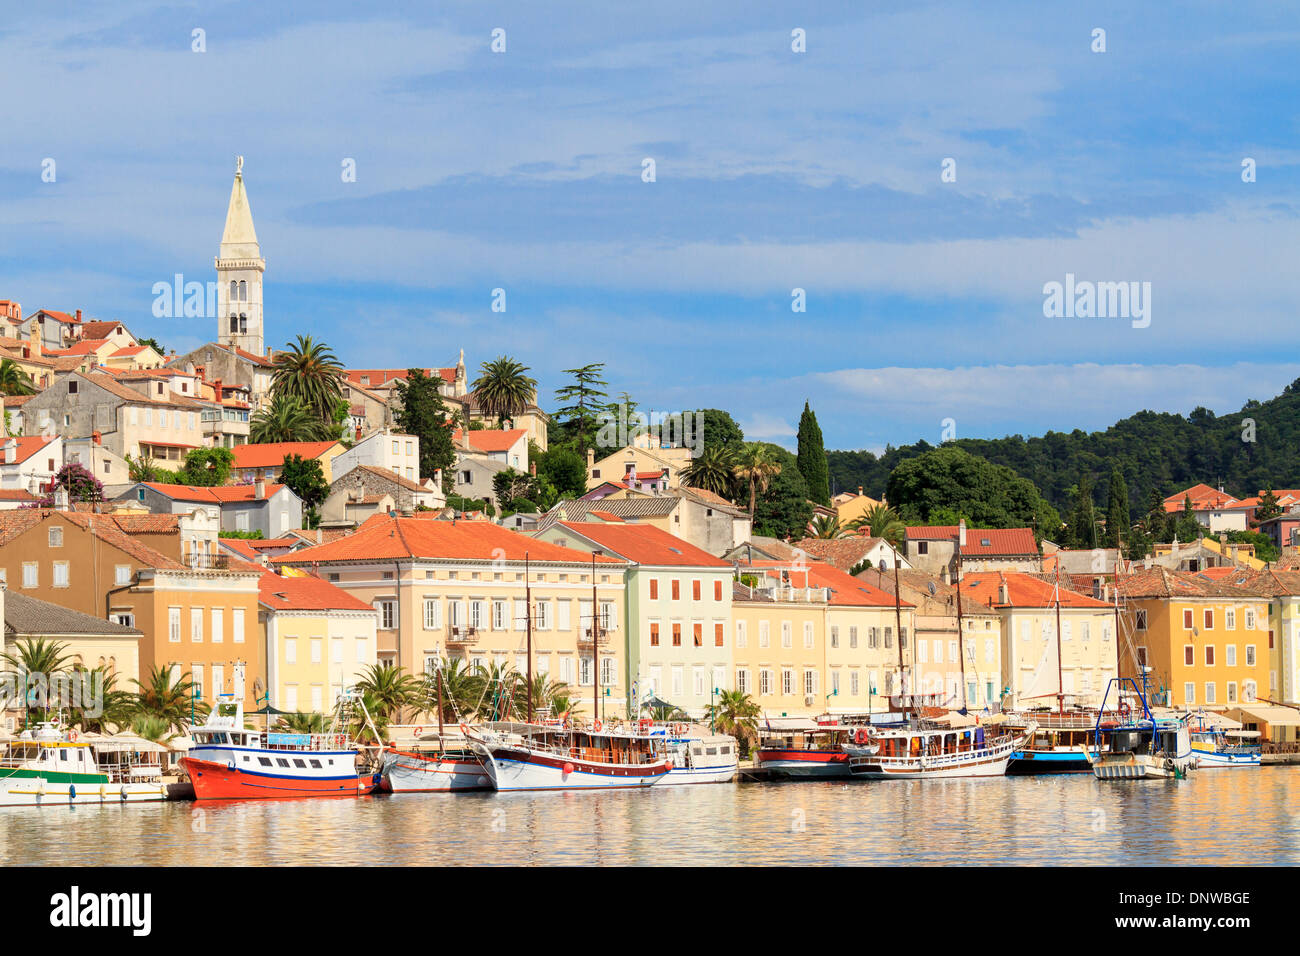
column 388, row 690
column 880, row 521
column 143, row 468
column 736, row 714
column 502, row 388
column 29, row 667
column 714, row 470
column 756, row 467
column 827, row 526
column 665, row 713
column 103, row 707
column 13, row 380
column 170, row 701
column 459, row 691
column 152, row 728
column 302, row 723
column 497, row 688
column 286, row 419
column 545, row 693
column 310, row 372
column 359, row 728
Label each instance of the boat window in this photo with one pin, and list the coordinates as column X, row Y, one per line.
column 245, row 758
column 280, row 761
column 316, row 764
column 726, row 749
column 711, row 751
column 299, row 763
column 63, row 755
column 264, row 761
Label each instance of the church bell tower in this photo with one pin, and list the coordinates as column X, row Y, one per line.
column 239, row 274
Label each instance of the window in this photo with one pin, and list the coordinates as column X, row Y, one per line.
column 1230, row 619
column 237, row 625
column 387, row 609
column 122, row 574
column 31, row 574
column 1209, row 660
column 218, row 625
column 921, row 654
column 1189, row 693
column 742, row 680
column 717, row 634
column 1250, row 655
column 922, row 547
column 742, row 639
column 787, row 639
column 764, row 634
column 853, row 683
column 873, row 639
column 654, row 633
column 853, row 637
column 1065, row 630
column 1187, row 619
column 432, row 614
column 499, row 616
column 787, row 681
column 1248, row 691
column 362, row 656
column 677, row 635
column 698, row 630
column 316, row 650
column 807, row 634
column 291, row 650
column 56, row 537
column 1085, row 630
column 764, row 683
column 889, row 637
column 1250, row 619
column 476, row 614
column 1209, row 692
column 654, row 589
column 1230, row 655
column 196, row 625
column 835, row 636
column 809, row 682
column 938, row 651
column 717, row 590
column 990, row 652
column 679, row 686
column 336, row 650
column 677, row 592
column 607, row 671
column 1209, row 619
column 174, row 625
column 695, row 590
column 1189, row 655
column 544, row 615
column 60, row 574
column 1232, row 692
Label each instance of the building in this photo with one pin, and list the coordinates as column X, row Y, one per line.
column 196, row 613
column 272, row 509
column 1205, row 641
column 677, row 619
column 1216, row 509
column 461, row 589
column 1282, row 589
column 387, row 450
column 319, row 640
column 240, row 266
column 934, row 549
column 1037, row 662
column 709, row 522
column 508, row 448
column 266, row 460
column 30, row 464
column 645, row 465
column 232, row 367
column 365, row 485
column 850, row 507
column 849, row 552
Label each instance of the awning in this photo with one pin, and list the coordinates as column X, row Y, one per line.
column 787, row 725
column 1267, row 714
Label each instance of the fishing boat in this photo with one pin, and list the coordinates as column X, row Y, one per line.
column 229, row 761
column 695, row 756
column 1142, row 747
column 930, row 750
column 564, row 757
column 1219, row 747
column 52, row 766
column 806, row 753
column 441, row 766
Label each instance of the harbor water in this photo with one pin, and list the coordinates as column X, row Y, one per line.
column 1217, row 817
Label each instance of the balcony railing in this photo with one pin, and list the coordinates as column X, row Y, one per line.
column 215, row 562
column 584, row 636
column 462, row 636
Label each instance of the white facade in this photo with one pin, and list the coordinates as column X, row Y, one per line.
column 27, row 468
column 389, row 450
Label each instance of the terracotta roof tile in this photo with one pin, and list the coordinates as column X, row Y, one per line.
column 645, row 544
column 305, row 594
column 273, row 454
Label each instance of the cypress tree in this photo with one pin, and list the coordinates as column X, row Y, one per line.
column 1117, row 513
column 812, row 458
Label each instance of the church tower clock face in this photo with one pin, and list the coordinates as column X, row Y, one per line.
column 239, row 274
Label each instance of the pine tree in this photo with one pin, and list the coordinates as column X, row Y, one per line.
column 1083, row 520
column 424, row 415
column 579, row 415
column 1268, row 506
column 1117, row 513
column 812, row 458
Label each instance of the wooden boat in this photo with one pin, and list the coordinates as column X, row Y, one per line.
column 1058, row 742
column 816, row 753
column 925, row 752
column 543, row 757
column 229, row 761
column 436, row 768
column 1215, row 747
column 695, row 755
column 53, row 766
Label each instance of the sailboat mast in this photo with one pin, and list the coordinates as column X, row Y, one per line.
column 1060, row 682
column 438, row 685
column 898, row 624
column 961, row 635
column 528, row 629
column 595, row 646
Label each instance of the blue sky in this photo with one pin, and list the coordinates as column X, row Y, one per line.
column 775, row 170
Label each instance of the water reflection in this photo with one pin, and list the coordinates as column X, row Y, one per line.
column 1215, row 817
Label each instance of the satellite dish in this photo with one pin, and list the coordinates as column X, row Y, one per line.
column 931, row 587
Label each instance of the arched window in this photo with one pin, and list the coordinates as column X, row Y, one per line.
column 234, row 290
column 234, row 322
column 243, row 291
column 243, row 322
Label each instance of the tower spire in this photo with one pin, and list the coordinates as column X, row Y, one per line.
column 239, row 273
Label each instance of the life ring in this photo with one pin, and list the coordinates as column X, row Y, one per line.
column 860, row 737
column 419, row 731
column 464, row 729
column 72, row 736
column 679, row 729
column 597, row 726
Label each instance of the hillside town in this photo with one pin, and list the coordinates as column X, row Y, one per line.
column 276, row 526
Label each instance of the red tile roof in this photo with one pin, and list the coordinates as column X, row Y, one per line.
column 305, row 594
column 27, row 446
column 1204, row 498
column 1023, row 590
column 1001, row 541
column 386, row 537
column 17, row 494
column 491, row 439
column 219, row 495
column 645, row 544
column 604, row 515
column 846, row 590
column 273, row 454
column 376, row 377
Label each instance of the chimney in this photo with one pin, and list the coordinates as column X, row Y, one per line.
column 357, row 436
column 437, row 478
column 78, row 315
column 859, row 491
column 97, row 438
column 591, row 457
column 259, row 489
column 1003, row 596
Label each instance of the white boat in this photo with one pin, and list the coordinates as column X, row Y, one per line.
column 544, row 757
column 1215, row 747
column 433, row 768
column 52, row 766
column 696, row 756
column 1144, row 747
column 925, row 752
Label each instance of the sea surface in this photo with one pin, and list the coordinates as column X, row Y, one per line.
column 1215, row 817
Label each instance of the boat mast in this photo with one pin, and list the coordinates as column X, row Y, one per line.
column 595, row 645
column 528, row 629
column 898, row 625
column 1060, row 682
column 438, row 684
column 961, row 636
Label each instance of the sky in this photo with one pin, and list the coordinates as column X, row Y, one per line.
column 775, row 170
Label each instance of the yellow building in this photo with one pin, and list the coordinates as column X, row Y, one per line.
column 319, row 640
column 461, row 589
column 1206, row 641
column 850, row 507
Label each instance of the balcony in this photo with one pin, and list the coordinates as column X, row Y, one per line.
column 207, row 562
column 462, row 636
column 584, row 637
